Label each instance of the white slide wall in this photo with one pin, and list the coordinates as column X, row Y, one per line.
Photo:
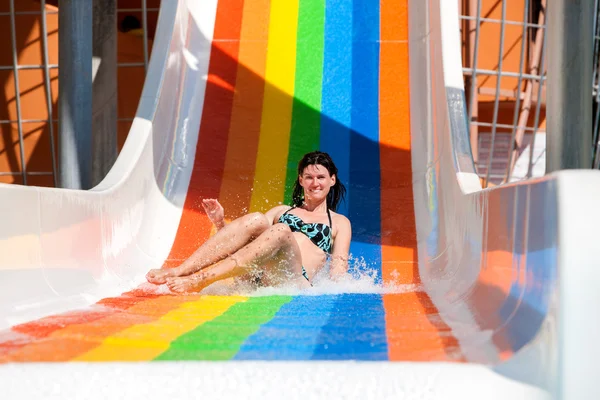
column 512, row 269
column 63, row 249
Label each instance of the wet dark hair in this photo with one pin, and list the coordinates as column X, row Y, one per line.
column 337, row 192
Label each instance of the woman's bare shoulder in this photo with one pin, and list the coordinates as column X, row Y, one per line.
column 275, row 212
column 280, row 208
column 340, row 219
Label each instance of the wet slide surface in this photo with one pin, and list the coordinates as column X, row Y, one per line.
column 285, row 77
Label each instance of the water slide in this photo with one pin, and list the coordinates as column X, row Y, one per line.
column 456, row 292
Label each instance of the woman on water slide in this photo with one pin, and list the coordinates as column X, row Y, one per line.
column 285, row 244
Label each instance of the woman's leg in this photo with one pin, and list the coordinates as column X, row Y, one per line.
column 225, row 242
column 276, row 249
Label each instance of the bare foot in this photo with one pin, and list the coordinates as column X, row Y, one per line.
column 185, row 284
column 159, row 276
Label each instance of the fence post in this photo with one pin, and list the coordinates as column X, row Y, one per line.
column 104, row 92
column 75, row 93
column 569, row 84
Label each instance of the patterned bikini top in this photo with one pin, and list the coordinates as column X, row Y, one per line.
column 318, row 233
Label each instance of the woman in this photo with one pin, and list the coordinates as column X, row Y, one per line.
column 284, row 244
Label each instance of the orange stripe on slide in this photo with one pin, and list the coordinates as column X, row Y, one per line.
column 244, row 131
column 44, row 327
column 399, row 238
column 75, row 339
column 195, row 227
column 414, row 328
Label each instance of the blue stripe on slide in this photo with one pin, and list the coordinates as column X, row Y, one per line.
column 336, row 100
column 355, row 330
column 293, row 333
column 365, row 179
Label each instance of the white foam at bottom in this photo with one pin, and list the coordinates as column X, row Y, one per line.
column 261, row 380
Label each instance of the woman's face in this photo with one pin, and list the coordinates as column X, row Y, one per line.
column 316, row 182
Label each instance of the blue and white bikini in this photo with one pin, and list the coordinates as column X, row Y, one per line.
column 318, row 233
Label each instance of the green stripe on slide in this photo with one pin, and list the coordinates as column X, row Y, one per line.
column 306, row 111
column 221, row 338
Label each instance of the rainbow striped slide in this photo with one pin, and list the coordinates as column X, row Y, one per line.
column 462, row 281
column 284, row 78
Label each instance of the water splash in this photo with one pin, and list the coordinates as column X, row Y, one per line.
column 361, row 278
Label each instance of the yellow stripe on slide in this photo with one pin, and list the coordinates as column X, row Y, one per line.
column 146, row 341
column 271, row 162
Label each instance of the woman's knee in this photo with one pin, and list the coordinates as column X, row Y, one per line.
column 282, row 232
column 257, row 222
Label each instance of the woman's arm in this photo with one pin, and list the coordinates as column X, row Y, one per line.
column 216, row 214
column 341, row 248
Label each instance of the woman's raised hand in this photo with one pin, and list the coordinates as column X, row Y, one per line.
column 214, row 211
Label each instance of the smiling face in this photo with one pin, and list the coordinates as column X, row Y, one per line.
column 316, row 182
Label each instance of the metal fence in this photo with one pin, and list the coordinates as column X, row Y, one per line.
column 506, row 101
column 504, row 53
column 37, row 15
column 15, row 68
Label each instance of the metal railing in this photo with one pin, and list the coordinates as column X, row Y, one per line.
column 507, row 145
column 503, row 151
column 16, row 117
